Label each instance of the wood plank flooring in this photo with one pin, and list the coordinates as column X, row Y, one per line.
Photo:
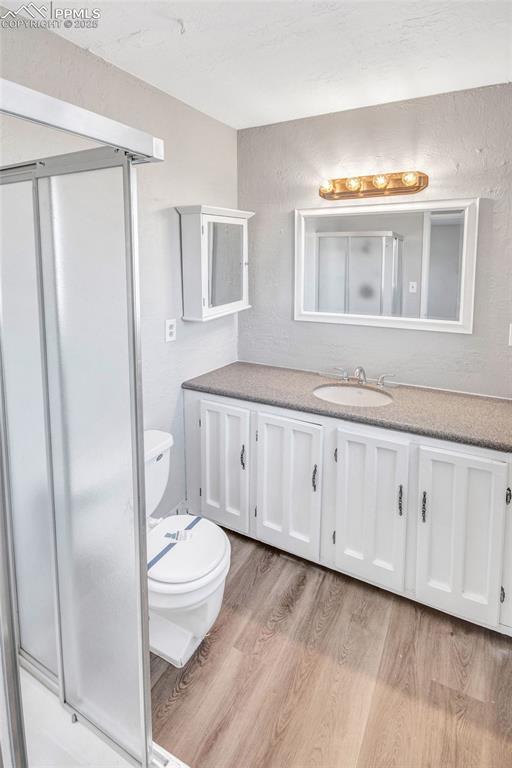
column 307, row 668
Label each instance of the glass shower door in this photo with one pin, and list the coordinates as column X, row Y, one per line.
column 24, row 393
column 88, row 351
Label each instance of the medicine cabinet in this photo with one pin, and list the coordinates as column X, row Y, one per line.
column 398, row 265
column 215, row 262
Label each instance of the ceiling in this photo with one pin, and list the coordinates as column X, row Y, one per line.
column 254, row 63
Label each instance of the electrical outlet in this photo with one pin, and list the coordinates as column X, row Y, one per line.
column 413, row 287
column 170, row 330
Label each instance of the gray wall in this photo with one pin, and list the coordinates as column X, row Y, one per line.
column 464, row 142
column 200, row 168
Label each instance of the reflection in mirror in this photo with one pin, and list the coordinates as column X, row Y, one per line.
column 356, row 273
column 225, row 263
column 444, row 232
column 404, row 264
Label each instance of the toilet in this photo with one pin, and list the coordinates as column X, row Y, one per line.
column 188, row 560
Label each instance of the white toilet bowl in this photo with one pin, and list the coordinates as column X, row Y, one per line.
column 188, row 561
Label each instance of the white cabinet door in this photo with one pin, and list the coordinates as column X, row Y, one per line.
column 460, row 533
column 371, row 500
column 225, row 464
column 289, row 479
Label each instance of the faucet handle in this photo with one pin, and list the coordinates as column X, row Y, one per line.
column 343, row 371
column 383, row 376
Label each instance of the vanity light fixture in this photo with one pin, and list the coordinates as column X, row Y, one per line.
column 396, row 183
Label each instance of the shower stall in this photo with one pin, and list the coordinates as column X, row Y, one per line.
column 354, row 273
column 70, row 409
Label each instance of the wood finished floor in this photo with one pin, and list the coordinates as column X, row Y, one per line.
column 306, row 668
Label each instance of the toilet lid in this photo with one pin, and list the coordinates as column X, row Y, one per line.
column 183, row 548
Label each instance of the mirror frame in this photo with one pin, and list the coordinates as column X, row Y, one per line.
column 470, row 207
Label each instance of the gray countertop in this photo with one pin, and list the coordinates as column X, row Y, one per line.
column 470, row 419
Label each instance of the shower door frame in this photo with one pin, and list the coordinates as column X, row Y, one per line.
column 11, row 708
column 36, row 107
column 125, row 146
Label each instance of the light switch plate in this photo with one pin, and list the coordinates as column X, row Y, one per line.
column 413, row 287
column 170, row 330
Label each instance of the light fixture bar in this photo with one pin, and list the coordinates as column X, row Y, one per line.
column 396, row 183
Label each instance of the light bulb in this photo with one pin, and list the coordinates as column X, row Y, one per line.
column 410, row 178
column 326, row 185
column 353, row 184
column 380, row 181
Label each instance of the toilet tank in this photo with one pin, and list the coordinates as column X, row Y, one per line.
column 157, row 452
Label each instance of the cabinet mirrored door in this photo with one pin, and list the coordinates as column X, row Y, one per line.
column 225, row 464
column 371, row 505
column 460, row 533
column 289, row 484
column 225, row 261
column 226, row 265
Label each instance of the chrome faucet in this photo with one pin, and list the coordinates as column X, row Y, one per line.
column 360, row 374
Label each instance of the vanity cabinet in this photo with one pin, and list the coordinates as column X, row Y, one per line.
column 214, row 246
column 422, row 517
column 460, row 533
column 371, row 506
column 224, row 490
column 288, row 495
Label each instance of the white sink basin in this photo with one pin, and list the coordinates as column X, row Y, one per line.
column 350, row 394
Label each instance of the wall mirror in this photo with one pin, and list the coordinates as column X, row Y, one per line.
column 398, row 265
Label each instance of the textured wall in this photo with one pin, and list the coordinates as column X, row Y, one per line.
column 200, row 168
column 464, row 141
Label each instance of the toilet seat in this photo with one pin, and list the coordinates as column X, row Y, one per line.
column 185, row 553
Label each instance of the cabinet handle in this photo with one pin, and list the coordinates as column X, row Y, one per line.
column 313, row 478
column 424, row 507
column 242, row 457
column 400, row 500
